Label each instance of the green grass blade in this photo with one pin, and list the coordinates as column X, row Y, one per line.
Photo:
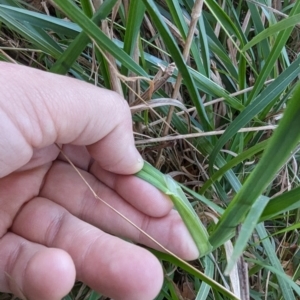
column 177, row 14
column 94, row 296
column 208, row 86
column 233, row 162
column 265, row 98
column 245, row 233
column 34, row 34
column 43, row 21
column 153, row 176
column 104, row 69
column 173, row 293
column 287, row 229
column 225, row 21
column 91, row 29
column 281, row 25
column 285, row 202
column 192, row 271
column 285, row 283
column 87, row 7
column 278, row 46
column 168, row 186
column 69, row 56
column 204, row 200
column 209, row 272
column 204, row 45
column 231, row 30
column 189, row 216
column 217, row 50
column 134, row 20
column 280, row 274
column 178, row 59
column 15, row 3
column 280, row 146
column 263, row 47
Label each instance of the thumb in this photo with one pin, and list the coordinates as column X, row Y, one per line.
column 38, row 109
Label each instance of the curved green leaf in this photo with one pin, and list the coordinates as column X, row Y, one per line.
column 69, row 56
column 191, row 270
column 167, row 185
column 281, row 25
column 279, row 148
column 265, row 98
column 91, row 29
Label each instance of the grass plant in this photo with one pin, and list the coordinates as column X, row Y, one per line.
column 224, row 122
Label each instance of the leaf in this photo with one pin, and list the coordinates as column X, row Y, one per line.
column 178, row 59
column 34, row 34
column 265, row 98
column 285, row 283
column 281, row 25
column 134, row 20
column 43, row 21
column 90, row 28
column 191, row 270
column 285, row 202
column 167, row 185
column 245, row 233
column 246, row 154
column 276, row 50
column 69, row 56
column 279, row 148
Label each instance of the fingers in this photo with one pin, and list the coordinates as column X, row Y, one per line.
column 31, row 271
column 16, row 189
column 71, row 112
column 107, row 264
column 78, row 155
column 142, row 195
column 66, row 188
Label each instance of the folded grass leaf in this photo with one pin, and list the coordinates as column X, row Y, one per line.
column 167, row 185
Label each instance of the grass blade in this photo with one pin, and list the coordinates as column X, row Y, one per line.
column 278, row 150
column 285, row 283
column 168, row 186
column 34, row 34
column 281, row 204
column 281, row 25
column 91, row 29
column 134, row 20
column 209, row 272
column 265, row 98
column 278, row 46
column 69, row 56
column 188, row 268
column 241, row 157
column 43, row 21
column 178, row 59
column 246, row 231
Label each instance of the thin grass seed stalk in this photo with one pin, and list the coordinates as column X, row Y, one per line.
column 167, row 185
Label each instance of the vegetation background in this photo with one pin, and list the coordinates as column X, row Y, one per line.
column 208, row 83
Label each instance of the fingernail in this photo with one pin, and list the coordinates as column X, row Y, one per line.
column 139, row 162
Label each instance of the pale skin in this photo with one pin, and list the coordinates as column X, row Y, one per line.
column 52, row 229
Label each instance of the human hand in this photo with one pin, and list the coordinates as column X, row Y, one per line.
column 52, row 229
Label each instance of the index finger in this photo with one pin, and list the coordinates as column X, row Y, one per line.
column 38, row 109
